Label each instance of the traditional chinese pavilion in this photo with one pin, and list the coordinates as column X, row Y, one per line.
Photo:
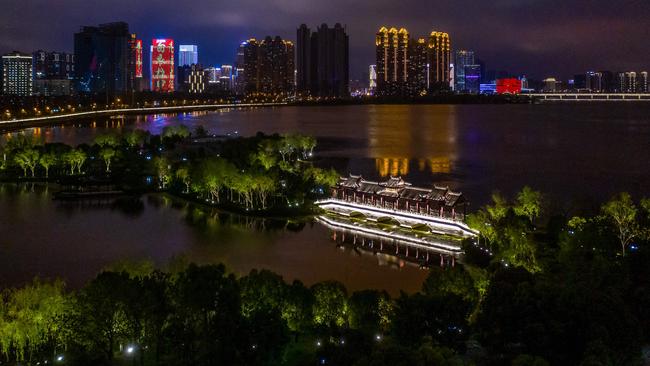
column 397, row 194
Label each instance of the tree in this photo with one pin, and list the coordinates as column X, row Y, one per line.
column 107, row 140
column 135, row 138
column 330, row 304
column 46, row 161
column 28, row 159
column 174, row 132
column 183, row 175
column 107, row 154
column 622, row 213
column 528, row 203
column 75, row 159
column 163, row 170
column 31, row 320
column 307, row 145
column 370, row 311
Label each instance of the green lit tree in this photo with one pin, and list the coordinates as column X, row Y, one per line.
column 107, row 140
column 330, row 304
column 28, row 159
column 163, row 170
column 529, row 203
column 622, row 212
column 107, row 154
column 46, row 161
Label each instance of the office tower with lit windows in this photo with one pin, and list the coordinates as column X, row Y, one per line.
column 472, row 78
column 462, row 58
column 372, row 78
column 417, row 67
column 269, row 67
column 392, row 60
column 322, row 62
column 439, row 60
column 188, row 55
column 53, row 73
column 17, row 78
column 642, row 82
column 161, row 65
column 104, row 59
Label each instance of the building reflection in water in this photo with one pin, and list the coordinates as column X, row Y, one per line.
column 404, row 138
column 401, row 166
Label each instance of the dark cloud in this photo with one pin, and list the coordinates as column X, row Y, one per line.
column 537, row 37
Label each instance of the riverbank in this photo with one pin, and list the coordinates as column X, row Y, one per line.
column 48, row 120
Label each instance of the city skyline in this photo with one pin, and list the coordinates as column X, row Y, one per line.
column 539, row 39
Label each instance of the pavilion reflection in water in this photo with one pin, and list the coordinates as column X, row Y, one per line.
column 388, row 250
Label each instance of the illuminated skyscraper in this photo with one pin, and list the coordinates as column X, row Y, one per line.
column 439, row 60
column 269, row 67
column 162, row 65
column 472, row 78
column 372, row 78
column 188, row 55
column 642, row 83
column 17, row 74
column 462, row 58
column 392, row 60
column 418, row 68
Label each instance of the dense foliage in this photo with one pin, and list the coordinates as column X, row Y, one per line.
column 573, row 292
column 258, row 173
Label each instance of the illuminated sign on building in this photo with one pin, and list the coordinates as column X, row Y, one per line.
column 508, row 86
column 162, row 65
column 138, row 58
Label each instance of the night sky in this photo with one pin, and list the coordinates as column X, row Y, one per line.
column 537, row 37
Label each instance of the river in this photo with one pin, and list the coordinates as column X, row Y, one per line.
column 577, row 154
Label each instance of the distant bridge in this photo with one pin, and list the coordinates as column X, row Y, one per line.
column 590, row 97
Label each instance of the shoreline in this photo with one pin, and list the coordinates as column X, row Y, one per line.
column 44, row 121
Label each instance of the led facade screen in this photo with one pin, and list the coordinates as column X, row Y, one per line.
column 138, row 58
column 162, row 65
column 508, row 86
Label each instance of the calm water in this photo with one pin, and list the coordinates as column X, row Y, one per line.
column 578, row 154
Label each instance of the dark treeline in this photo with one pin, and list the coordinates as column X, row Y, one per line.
column 535, row 289
column 254, row 174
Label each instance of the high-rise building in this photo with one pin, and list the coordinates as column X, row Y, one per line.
column 104, row 59
column 642, row 83
column 17, row 76
column 372, row 78
column 138, row 58
column 53, row 65
column 196, row 79
column 53, row 73
column 162, row 65
column 392, row 60
column 594, row 81
column 322, row 61
column 188, row 55
column 472, row 78
column 462, row 58
column 418, row 67
column 439, row 60
column 269, row 67
column 304, row 65
column 403, row 63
